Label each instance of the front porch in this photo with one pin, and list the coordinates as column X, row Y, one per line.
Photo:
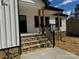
column 38, row 35
column 40, row 32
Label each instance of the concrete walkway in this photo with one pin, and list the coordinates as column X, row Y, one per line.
column 49, row 53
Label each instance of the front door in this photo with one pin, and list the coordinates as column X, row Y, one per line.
column 22, row 24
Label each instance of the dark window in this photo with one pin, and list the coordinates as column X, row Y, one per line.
column 36, row 18
column 57, row 22
column 22, row 24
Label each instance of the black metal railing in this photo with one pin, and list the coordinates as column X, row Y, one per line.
column 50, row 34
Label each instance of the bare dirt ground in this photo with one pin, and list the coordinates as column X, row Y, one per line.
column 70, row 44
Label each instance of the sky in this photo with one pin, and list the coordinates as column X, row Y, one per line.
column 67, row 5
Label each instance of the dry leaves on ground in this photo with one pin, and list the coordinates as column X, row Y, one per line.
column 70, row 44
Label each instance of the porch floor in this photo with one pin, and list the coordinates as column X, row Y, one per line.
column 49, row 53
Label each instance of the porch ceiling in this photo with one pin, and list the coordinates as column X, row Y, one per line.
column 29, row 1
column 49, row 12
column 32, row 4
column 24, row 7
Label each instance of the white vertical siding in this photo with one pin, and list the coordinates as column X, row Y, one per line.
column 9, row 28
column 0, row 26
column 13, row 24
column 17, row 22
column 8, row 24
column 3, row 28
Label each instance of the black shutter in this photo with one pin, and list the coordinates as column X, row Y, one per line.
column 56, row 21
column 60, row 22
column 36, row 18
column 47, row 21
column 42, row 21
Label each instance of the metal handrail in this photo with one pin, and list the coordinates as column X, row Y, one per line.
column 51, row 35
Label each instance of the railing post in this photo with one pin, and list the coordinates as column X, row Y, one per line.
column 39, row 14
column 43, row 26
column 53, row 38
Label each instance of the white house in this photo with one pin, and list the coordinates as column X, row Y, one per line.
column 30, row 10
column 33, row 14
column 61, row 21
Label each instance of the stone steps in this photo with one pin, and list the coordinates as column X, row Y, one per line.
column 34, row 42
